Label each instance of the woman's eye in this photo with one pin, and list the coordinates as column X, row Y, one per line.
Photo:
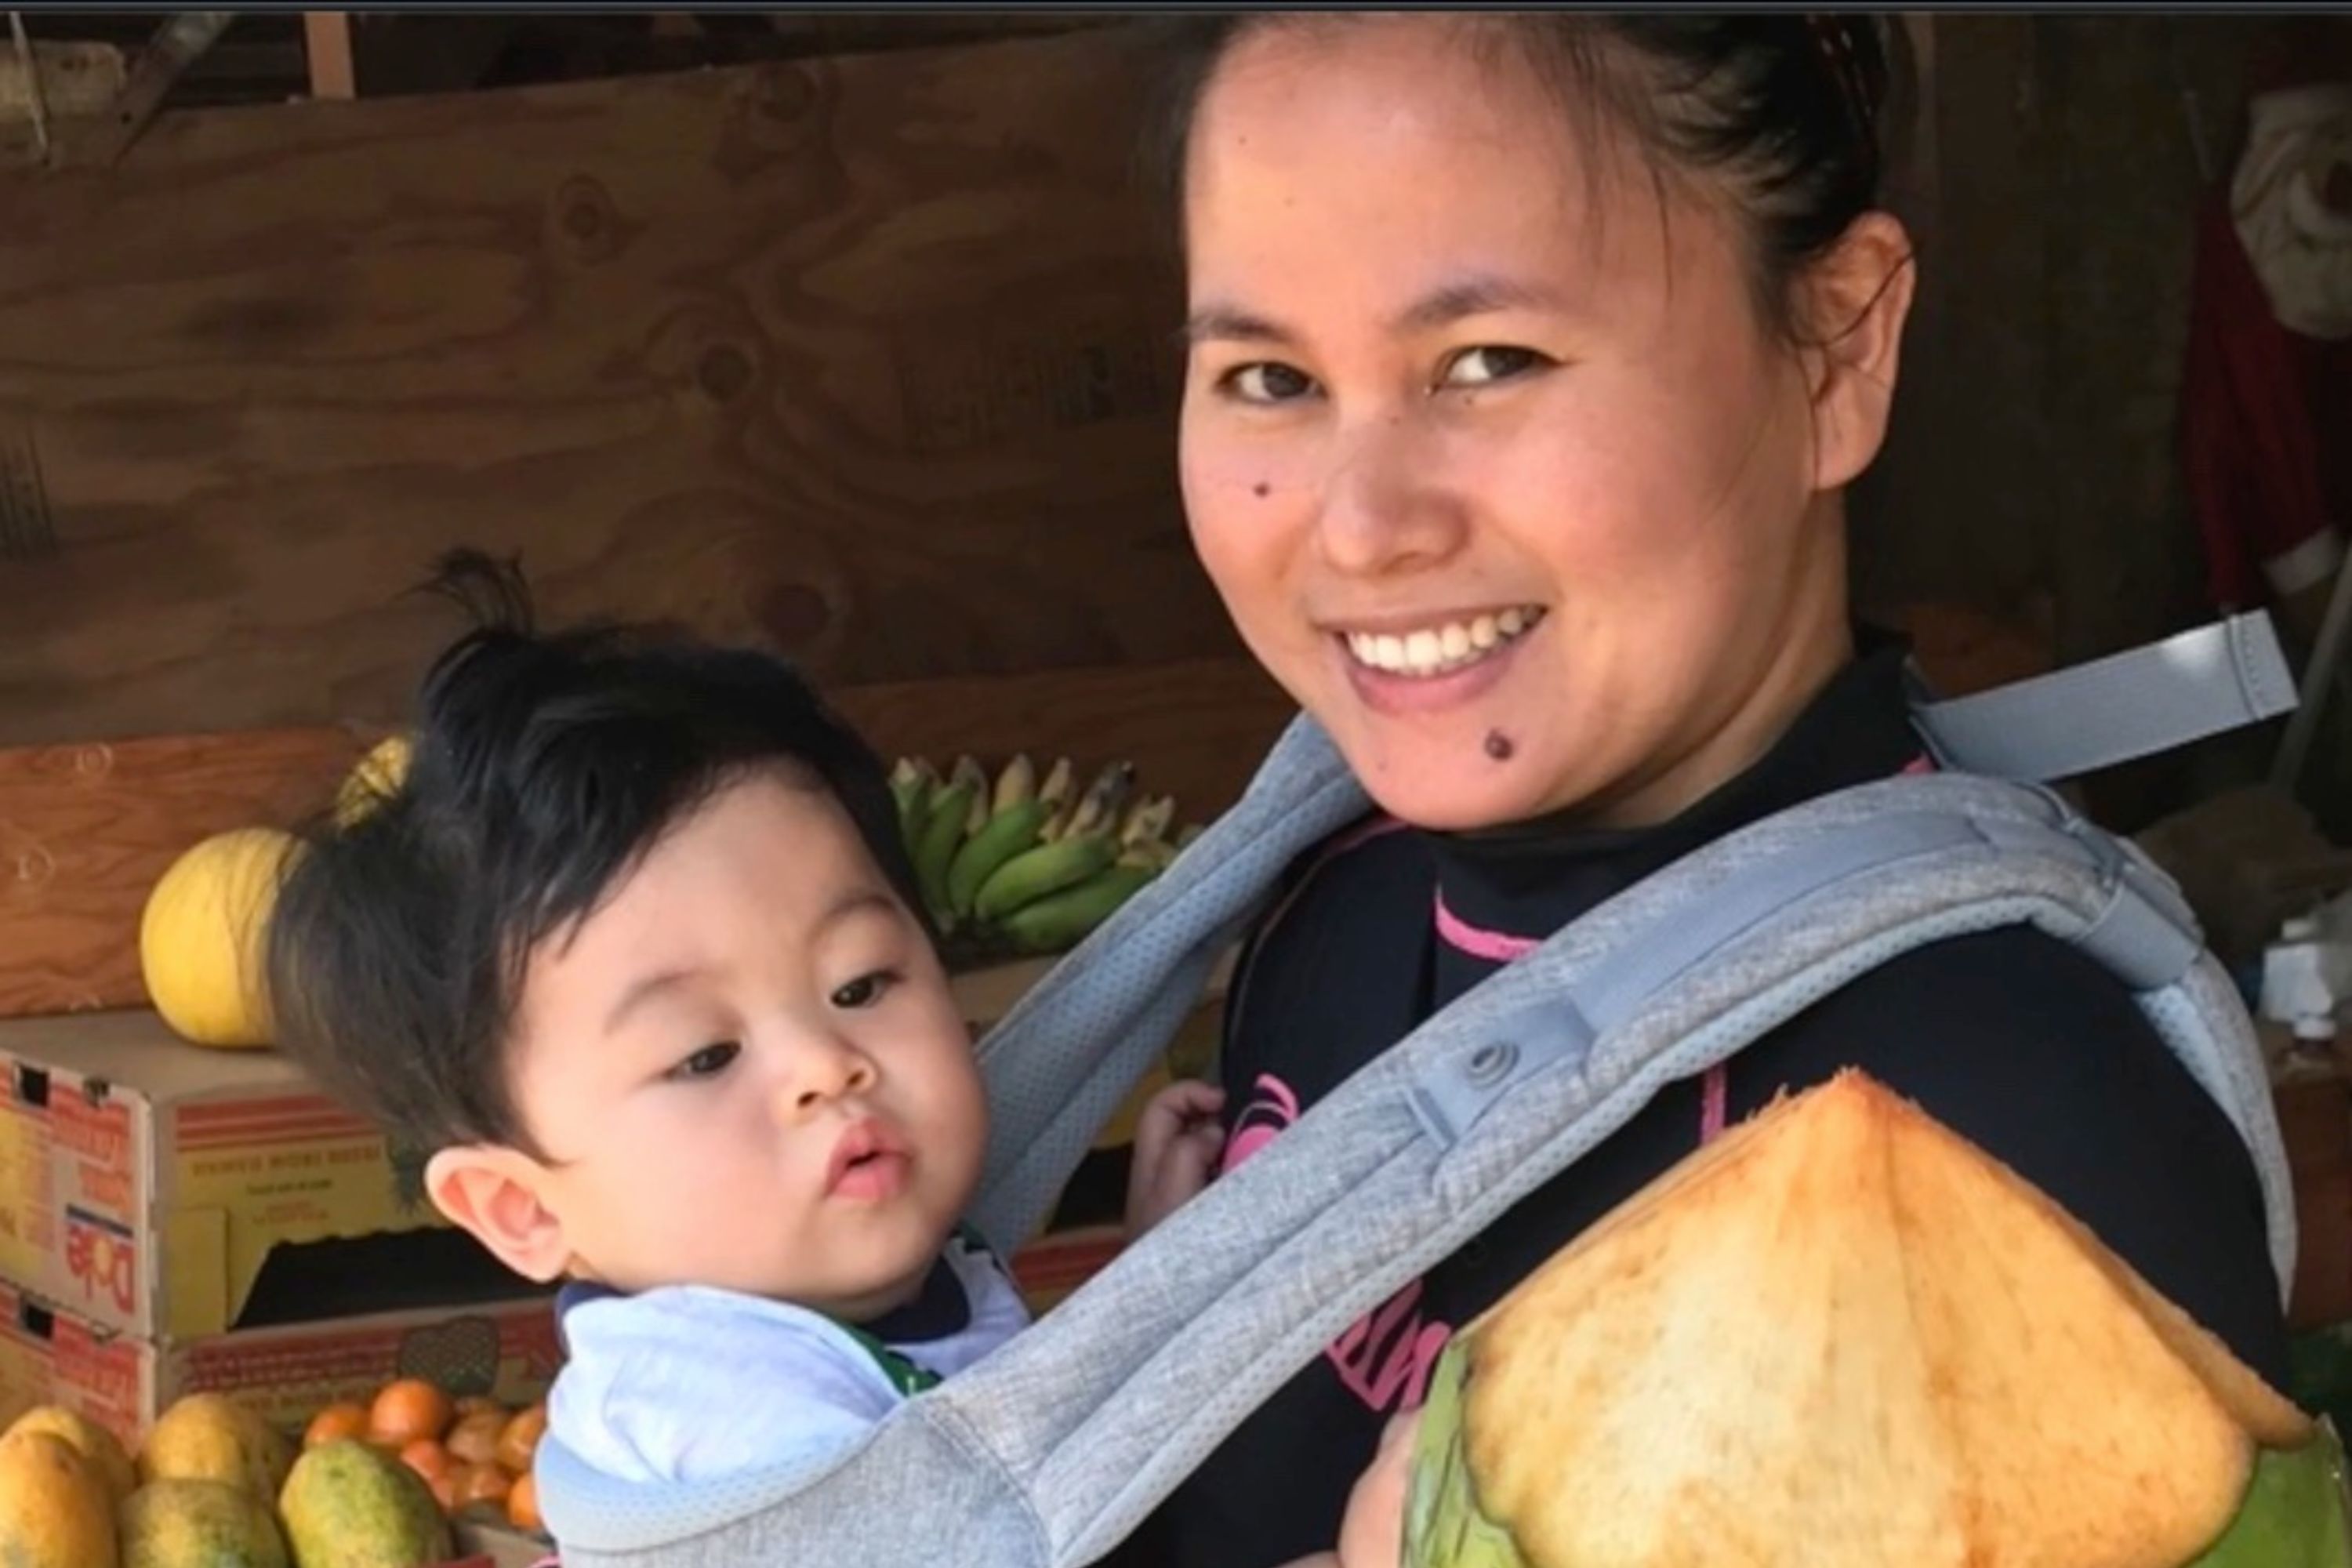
column 1266, row 381
column 1488, row 364
column 708, row 1062
column 864, row 991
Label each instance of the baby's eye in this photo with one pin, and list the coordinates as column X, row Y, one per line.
column 1266, row 381
column 865, row 991
column 1490, row 362
column 709, row 1062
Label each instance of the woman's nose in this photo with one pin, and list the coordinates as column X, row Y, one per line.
column 1383, row 510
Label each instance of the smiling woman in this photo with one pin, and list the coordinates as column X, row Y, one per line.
column 1530, row 358
column 1541, row 469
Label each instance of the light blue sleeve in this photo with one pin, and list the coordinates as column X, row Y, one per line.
column 687, row 1383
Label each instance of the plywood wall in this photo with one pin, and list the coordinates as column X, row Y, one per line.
column 865, row 357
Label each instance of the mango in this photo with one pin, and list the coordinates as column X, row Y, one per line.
column 348, row 1505
column 200, row 1524
column 92, row 1441
column 55, row 1511
column 212, row 1437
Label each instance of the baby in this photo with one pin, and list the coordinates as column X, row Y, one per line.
column 632, row 952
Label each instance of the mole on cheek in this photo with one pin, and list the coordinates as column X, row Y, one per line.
column 1261, row 489
column 1498, row 745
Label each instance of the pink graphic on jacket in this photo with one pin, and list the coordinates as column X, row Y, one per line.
column 1385, row 1357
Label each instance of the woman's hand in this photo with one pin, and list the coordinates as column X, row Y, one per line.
column 1177, row 1143
column 1371, row 1533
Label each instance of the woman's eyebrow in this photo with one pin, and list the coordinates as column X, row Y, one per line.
column 1227, row 323
column 1477, row 294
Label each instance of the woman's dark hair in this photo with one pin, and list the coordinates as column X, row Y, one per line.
column 542, row 768
column 1789, row 115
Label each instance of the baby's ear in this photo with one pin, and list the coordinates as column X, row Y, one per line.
column 499, row 1194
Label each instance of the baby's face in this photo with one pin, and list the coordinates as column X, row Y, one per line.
column 746, row 1068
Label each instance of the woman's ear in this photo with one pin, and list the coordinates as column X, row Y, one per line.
column 1855, row 302
column 499, row 1195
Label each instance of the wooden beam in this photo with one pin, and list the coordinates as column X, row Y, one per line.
column 327, row 42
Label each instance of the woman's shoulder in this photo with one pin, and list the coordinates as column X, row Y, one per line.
column 2036, row 1053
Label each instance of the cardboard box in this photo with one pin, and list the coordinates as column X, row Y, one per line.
column 508, row 1351
column 145, row 1182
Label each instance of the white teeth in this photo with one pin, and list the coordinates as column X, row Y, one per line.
column 1442, row 649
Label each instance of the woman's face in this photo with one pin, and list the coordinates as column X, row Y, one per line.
column 1507, row 484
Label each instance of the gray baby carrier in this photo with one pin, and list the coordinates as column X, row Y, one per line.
column 1053, row 1449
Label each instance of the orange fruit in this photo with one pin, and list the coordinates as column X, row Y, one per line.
column 408, row 1409
column 484, row 1483
column 426, row 1456
column 523, row 1504
column 475, row 1404
column 474, row 1438
column 520, row 1441
column 344, row 1418
column 448, row 1485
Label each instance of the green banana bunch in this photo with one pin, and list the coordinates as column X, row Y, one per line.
column 1060, row 919
column 1059, row 792
column 1024, row 863
column 912, row 783
column 1037, row 872
column 1011, row 832
column 936, row 842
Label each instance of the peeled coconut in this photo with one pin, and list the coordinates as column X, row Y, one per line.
column 1842, row 1336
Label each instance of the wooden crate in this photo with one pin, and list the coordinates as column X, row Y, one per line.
column 85, row 830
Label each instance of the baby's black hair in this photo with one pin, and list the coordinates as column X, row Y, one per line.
column 544, row 766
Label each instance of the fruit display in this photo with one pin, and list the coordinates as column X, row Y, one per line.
column 473, row 1455
column 1018, row 865
column 202, row 1494
column 376, row 1484
column 1842, row 1336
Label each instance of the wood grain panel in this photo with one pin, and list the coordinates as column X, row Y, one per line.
column 86, row 830
column 868, row 358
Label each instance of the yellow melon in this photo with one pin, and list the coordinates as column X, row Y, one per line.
column 200, row 940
